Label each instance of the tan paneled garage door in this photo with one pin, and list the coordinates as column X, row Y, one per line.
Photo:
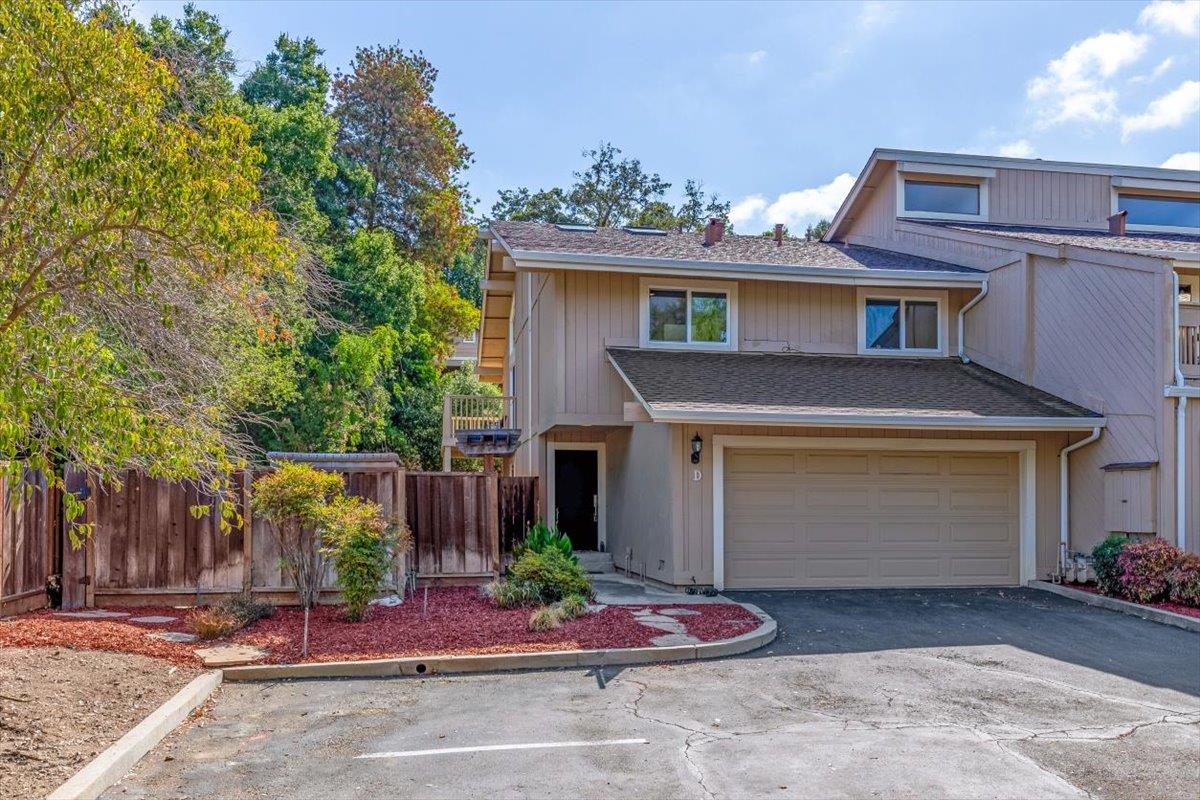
column 810, row 518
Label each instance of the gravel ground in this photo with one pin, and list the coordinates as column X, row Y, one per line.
column 60, row 707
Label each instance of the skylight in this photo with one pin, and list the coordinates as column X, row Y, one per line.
column 645, row 231
column 577, row 228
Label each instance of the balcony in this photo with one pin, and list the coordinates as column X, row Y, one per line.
column 478, row 426
column 1189, row 351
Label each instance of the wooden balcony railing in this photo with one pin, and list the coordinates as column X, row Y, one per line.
column 1189, row 350
column 476, row 412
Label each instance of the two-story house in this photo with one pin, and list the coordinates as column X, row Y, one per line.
column 984, row 366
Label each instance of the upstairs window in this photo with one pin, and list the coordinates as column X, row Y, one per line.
column 1157, row 212
column 902, row 325
column 941, row 198
column 700, row 315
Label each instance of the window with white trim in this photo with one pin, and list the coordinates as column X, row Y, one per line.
column 689, row 315
column 941, row 191
column 1160, row 211
column 902, row 324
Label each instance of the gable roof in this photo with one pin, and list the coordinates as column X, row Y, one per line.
column 543, row 241
column 778, row 388
column 888, row 155
column 1132, row 243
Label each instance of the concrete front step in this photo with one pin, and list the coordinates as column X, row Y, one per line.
column 595, row 562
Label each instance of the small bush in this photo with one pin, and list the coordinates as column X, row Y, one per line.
column 509, row 593
column 1104, row 562
column 1145, row 567
column 246, row 610
column 212, row 622
column 546, row 618
column 542, row 538
column 572, row 606
column 362, row 544
column 551, row 575
column 1184, row 580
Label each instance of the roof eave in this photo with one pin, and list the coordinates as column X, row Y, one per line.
column 930, row 422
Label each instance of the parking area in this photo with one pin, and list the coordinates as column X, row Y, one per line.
column 950, row 693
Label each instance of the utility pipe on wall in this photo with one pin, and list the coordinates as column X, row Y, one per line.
column 1064, row 496
column 962, row 313
column 1181, row 402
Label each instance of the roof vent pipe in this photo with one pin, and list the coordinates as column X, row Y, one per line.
column 714, row 232
column 779, row 234
column 1116, row 223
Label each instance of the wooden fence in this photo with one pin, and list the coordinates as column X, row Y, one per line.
column 27, row 543
column 148, row 548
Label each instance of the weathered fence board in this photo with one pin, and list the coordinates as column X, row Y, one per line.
column 26, row 543
column 518, row 509
column 455, row 519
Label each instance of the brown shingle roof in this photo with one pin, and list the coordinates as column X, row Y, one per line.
column 1132, row 243
column 543, row 237
column 676, row 384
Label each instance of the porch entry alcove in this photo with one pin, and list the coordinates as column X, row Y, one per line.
column 576, row 492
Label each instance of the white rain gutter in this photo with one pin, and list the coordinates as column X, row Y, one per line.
column 1064, row 496
column 1181, row 402
column 962, row 313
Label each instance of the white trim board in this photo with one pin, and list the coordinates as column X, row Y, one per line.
column 601, row 485
column 1026, row 482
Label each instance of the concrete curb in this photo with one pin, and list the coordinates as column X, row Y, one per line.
column 507, row 662
column 111, row 765
column 1122, row 606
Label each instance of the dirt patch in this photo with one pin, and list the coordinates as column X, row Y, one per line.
column 59, row 708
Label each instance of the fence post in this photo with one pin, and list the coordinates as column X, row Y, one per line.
column 247, row 533
column 4, row 510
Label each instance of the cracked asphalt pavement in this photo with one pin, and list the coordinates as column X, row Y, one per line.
column 938, row 693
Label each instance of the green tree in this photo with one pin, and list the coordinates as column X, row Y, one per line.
column 522, row 205
column 817, row 231
column 291, row 75
column 411, row 149
column 466, row 270
column 611, row 190
column 196, row 49
column 135, row 322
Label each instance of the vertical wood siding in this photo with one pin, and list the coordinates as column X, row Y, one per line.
column 455, row 520
column 26, row 543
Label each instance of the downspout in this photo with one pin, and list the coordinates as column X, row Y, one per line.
column 962, row 313
column 1064, row 498
column 1181, row 402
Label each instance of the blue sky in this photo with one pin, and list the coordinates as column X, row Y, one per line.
column 774, row 106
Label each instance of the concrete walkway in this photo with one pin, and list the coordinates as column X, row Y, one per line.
column 618, row 590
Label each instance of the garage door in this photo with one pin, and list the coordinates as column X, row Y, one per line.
column 798, row 518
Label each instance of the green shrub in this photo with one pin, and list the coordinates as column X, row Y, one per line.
column 1145, row 567
column 573, row 606
column 546, row 618
column 542, row 538
column 551, row 575
column 508, row 593
column 362, row 544
column 246, row 609
column 1104, row 562
column 1184, row 580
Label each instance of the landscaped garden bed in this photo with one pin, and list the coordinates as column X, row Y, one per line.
column 1150, row 572
column 1162, row 605
column 456, row 621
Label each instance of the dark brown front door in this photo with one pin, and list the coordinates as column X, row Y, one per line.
column 575, row 497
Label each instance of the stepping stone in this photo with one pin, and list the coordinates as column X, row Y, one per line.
column 153, row 620
column 173, row 636
column 673, row 639
column 679, row 612
column 94, row 613
column 596, row 608
column 391, row 601
column 230, row 655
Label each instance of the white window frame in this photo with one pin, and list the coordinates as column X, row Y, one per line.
column 729, row 288
column 938, row 173
column 941, row 297
column 1151, row 188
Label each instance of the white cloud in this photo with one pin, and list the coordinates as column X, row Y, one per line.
column 1169, row 111
column 1022, row 148
column 875, row 14
column 796, row 209
column 1172, row 17
column 1190, row 160
column 1155, row 73
column 757, row 57
column 1074, row 86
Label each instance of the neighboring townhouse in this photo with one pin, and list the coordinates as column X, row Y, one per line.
column 906, row 403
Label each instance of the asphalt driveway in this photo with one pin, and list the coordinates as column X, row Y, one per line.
column 948, row 693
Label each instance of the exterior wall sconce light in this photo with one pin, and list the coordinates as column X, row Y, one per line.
column 697, row 446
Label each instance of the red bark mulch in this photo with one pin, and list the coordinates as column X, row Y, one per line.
column 459, row 622
column 1175, row 608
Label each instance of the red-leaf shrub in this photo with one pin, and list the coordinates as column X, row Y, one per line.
column 1145, row 567
column 1184, row 580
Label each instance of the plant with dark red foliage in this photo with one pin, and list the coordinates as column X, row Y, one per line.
column 1144, row 569
column 1184, row 580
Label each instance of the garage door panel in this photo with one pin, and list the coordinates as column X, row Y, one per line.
column 867, row 518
